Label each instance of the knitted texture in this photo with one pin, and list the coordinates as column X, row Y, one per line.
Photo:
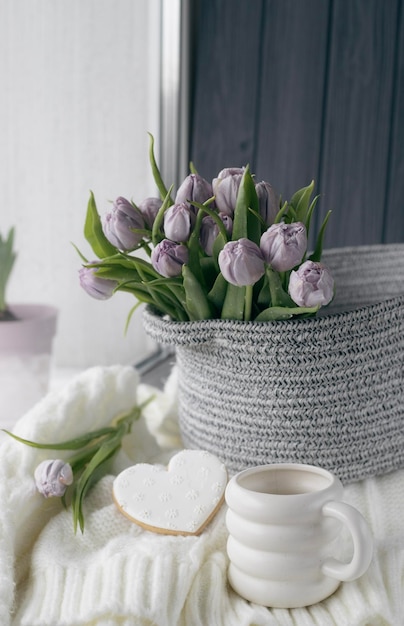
column 326, row 391
column 117, row 573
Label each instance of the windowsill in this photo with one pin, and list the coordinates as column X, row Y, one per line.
column 154, row 371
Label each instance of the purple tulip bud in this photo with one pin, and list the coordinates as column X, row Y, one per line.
column 241, row 262
column 118, row 223
column 194, row 189
column 210, row 230
column 225, row 187
column 283, row 245
column 96, row 286
column 268, row 202
column 311, row 285
column 178, row 222
column 149, row 209
column 52, row 477
column 168, row 258
column 231, row 171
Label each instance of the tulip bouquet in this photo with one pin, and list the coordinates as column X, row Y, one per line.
column 229, row 249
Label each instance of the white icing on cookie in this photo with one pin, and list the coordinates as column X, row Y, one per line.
column 180, row 499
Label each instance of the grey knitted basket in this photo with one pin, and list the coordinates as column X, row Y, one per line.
column 326, row 391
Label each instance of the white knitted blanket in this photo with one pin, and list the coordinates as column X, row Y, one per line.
column 116, row 573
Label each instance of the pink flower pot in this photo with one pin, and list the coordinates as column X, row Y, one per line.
column 25, row 355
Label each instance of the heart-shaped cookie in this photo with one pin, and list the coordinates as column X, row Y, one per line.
column 178, row 500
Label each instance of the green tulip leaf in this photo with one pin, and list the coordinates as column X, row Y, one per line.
column 310, row 213
column 210, row 270
column 115, row 272
column 218, row 292
column 245, row 222
column 282, row 213
column 234, row 303
column 142, row 293
column 300, row 201
column 156, row 173
column 279, row 297
column 83, row 258
column 7, row 259
column 130, row 315
column 93, row 231
column 159, row 219
column 197, row 303
column 194, row 249
column 208, row 211
column 274, row 313
column 83, row 457
column 318, row 250
column 70, row 444
column 218, row 246
column 264, row 295
column 104, row 453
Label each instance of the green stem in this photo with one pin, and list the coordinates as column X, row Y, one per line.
column 145, row 246
column 248, row 302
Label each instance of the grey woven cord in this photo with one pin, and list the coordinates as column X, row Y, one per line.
column 326, row 391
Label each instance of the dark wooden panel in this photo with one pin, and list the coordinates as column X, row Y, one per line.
column 304, row 89
column 226, row 84
column 358, row 115
column 294, row 58
column 394, row 202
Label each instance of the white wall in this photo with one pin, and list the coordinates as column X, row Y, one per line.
column 79, row 91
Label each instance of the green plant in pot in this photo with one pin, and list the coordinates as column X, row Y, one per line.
column 26, row 336
column 228, row 279
column 7, row 258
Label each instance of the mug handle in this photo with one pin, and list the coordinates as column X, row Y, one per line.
column 362, row 543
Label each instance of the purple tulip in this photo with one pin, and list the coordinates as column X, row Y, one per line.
column 52, row 477
column 194, row 189
column 178, row 222
column 118, row 223
column 149, row 209
column 96, row 286
column 283, row 245
column 231, row 171
column 210, row 230
column 268, row 202
column 168, row 258
column 225, row 187
column 311, row 285
column 241, row 262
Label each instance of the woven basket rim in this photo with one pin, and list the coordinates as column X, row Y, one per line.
column 154, row 320
column 166, row 330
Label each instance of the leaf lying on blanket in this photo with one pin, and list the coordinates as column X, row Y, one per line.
column 88, row 465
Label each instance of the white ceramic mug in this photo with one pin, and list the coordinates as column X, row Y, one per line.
column 284, row 545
